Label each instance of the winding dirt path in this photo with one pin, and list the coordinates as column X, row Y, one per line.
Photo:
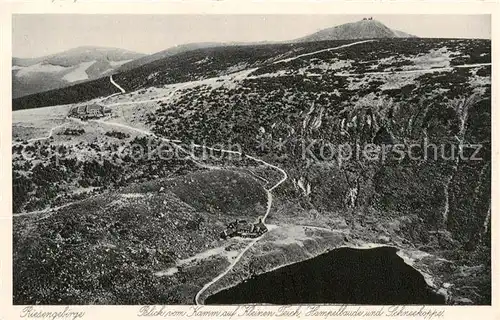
column 50, row 134
column 268, row 191
column 116, row 84
column 175, row 143
column 47, row 210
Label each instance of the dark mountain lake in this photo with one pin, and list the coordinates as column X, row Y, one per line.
column 345, row 275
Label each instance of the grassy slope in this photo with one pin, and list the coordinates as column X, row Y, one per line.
column 186, row 66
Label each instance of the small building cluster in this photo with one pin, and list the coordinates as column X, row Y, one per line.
column 242, row 228
column 91, row 111
column 371, row 18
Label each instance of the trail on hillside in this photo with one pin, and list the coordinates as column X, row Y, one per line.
column 323, row 50
column 47, row 210
column 175, row 143
column 116, row 84
column 50, row 134
column 268, row 191
column 431, row 70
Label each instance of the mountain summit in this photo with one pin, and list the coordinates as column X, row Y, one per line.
column 364, row 29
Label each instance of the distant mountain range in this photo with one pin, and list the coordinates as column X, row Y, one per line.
column 88, row 63
column 58, row 70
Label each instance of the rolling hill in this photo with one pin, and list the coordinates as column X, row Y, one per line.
column 33, row 75
column 364, row 29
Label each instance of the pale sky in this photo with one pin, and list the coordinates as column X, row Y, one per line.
column 38, row 35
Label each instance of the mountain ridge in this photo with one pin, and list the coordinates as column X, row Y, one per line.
column 85, row 63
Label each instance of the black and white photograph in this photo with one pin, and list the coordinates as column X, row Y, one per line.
column 251, row 159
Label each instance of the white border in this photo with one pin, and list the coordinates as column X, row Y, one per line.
column 7, row 311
